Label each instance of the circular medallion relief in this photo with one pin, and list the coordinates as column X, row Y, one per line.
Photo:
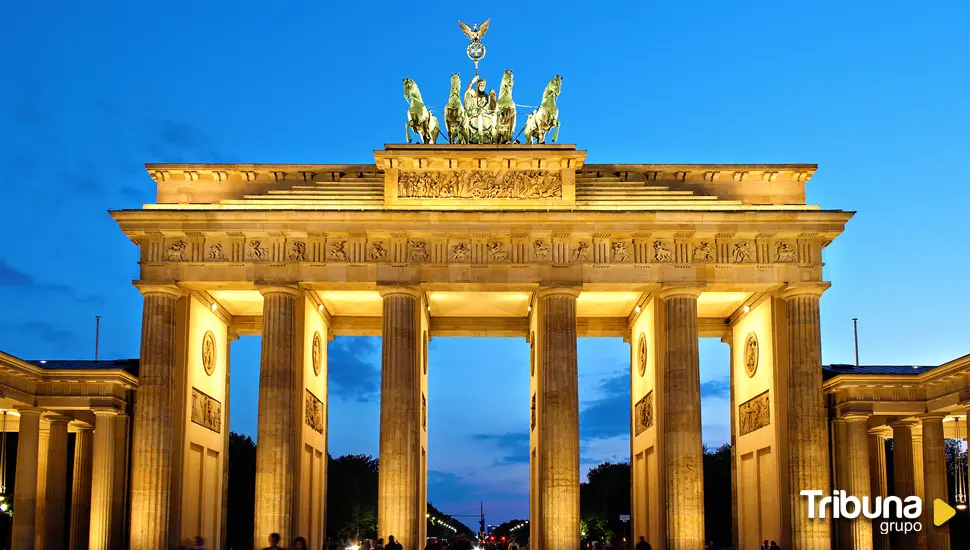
column 642, row 354
column 316, row 352
column 209, row 352
column 426, row 352
column 751, row 354
column 532, row 354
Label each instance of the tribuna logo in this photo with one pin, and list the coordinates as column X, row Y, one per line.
column 851, row 507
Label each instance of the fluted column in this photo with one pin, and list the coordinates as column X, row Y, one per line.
column 558, row 425
column 682, row 447
column 40, row 511
column 735, row 531
column 934, row 475
column 279, row 406
column 918, row 480
column 81, row 487
column 398, row 493
column 102, row 482
column 808, row 456
column 904, row 475
column 855, row 533
column 878, row 482
column 55, row 494
column 25, row 485
column 153, row 446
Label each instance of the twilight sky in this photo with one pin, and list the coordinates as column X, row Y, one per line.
column 874, row 92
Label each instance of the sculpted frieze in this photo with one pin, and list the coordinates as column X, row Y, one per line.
column 206, row 411
column 754, row 414
column 480, row 184
column 255, row 251
column 742, row 252
column 565, row 248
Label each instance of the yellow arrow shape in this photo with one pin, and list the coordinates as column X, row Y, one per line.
column 942, row 512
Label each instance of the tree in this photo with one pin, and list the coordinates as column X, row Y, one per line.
column 352, row 497
column 242, row 491
column 602, row 499
column 717, row 492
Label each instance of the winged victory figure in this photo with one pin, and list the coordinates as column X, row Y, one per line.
column 475, row 33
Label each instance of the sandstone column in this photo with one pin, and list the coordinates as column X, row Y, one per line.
column 280, row 405
column 878, row 482
column 398, row 493
column 855, row 533
column 40, row 511
column 683, row 452
column 81, row 488
column 904, row 476
column 25, row 487
column 934, row 486
column 102, row 482
column 808, row 456
column 558, row 425
column 152, row 441
column 918, row 480
column 735, row 531
column 56, row 492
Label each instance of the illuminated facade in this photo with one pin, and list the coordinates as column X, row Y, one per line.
column 522, row 241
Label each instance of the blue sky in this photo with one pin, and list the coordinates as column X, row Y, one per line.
column 874, row 92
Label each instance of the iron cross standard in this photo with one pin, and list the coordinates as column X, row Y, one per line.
column 475, row 49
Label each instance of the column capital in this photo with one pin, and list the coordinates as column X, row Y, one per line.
column 155, row 288
column 564, row 290
column 279, row 289
column 81, row 426
column 884, row 431
column 672, row 290
column 105, row 411
column 55, row 418
column 906, row 424
column 929, row 417
column 392, row 290
column 30, row 411
column 855, row 416
column 794, row 290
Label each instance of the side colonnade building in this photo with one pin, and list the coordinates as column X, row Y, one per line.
column 521, row 241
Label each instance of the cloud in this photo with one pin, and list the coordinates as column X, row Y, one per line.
column 353, row 373
column 717, row 387
column 514, row 446
column 54, row 336
column 609, row 414
column 173, row 141
column 18, row 280
column 11, row 276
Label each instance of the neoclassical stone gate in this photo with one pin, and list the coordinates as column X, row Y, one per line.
column 523, row 241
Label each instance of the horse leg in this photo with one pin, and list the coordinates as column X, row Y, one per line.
column 407, row 130
column 555, row 136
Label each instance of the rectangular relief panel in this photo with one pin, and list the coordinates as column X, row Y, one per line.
column 206, row 411
column 644, row 413
column 314, row 412
column 754, row 414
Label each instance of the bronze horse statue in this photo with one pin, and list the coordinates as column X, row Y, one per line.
column 456, row 118
column 420, row 119
column 543, row 119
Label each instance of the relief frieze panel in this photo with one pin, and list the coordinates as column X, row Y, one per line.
column 314, row 416
column 206, row 411
column 480, row 184
column 643, row 414
column 754, row 414
column 481, row 249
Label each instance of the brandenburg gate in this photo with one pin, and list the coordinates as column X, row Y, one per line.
column 523, row 241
